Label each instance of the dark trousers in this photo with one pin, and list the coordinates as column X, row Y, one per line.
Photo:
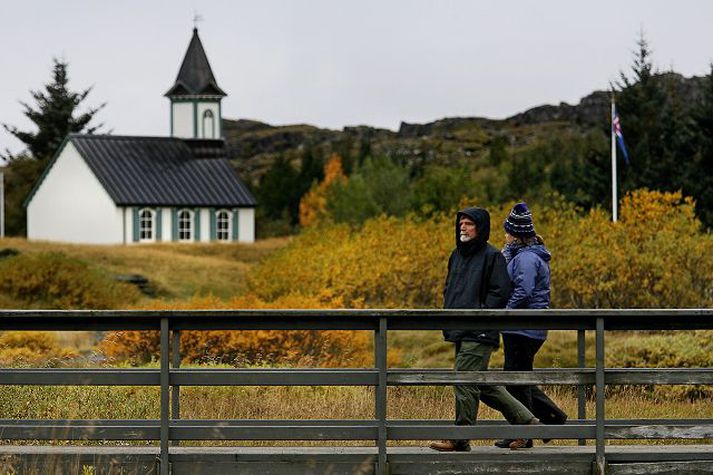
column 473, row 356
column 520, row 354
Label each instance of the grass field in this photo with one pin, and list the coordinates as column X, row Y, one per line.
column 178, row 271
column 301, row 403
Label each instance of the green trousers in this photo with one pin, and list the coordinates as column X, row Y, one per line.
column 474, row 356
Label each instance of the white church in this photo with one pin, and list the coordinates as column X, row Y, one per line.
column 111, row 189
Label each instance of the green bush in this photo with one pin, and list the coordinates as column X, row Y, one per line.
column 53, row 280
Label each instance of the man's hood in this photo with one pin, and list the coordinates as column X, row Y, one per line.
column 481, row 218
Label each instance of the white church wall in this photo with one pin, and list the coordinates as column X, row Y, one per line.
column 246, row 225
column 166, row 225
column 182, row 116
column 205, row 224
column 72, row 206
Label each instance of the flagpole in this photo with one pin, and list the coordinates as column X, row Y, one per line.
column 614, row 200
column 2, row 205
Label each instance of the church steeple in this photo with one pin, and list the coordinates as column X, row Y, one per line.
column 195, row 96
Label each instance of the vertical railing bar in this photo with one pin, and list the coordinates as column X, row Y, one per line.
column 165, row 395
column 581, row 389
column 175, row 389
column 380, row 360
column 599, row 380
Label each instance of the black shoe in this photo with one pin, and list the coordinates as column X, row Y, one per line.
column 503, row 443
column 562, row 422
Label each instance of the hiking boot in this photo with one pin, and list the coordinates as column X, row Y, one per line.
column 524, row 443
column 520, row 444
column 451, row 446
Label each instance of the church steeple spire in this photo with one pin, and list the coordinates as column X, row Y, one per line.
column 195, row 96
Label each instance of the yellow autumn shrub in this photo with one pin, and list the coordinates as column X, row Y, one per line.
column 54, row 280
column 388, row 262
column 32, row 348
column 329, row 348
column 656, row 256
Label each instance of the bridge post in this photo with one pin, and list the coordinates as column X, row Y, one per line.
column 599, row 381
column 165, row 395
column 175, row 389
column 380, row 360
column 581, row 389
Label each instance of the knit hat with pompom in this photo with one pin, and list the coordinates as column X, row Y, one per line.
column 519, row 221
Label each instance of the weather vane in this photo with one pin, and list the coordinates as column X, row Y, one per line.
column 196, row 19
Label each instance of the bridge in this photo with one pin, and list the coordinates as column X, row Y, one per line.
column 594, row 452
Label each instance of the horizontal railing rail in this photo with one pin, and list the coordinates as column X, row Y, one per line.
column 169, row 377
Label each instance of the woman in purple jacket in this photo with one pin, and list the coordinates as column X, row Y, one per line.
column 529, row 269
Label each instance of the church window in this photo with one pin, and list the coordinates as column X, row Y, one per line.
column 208, row 124
column 185, row 225
column 146, row 224
column 222, row 225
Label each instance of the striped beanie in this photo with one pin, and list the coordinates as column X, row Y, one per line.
column 519, row 221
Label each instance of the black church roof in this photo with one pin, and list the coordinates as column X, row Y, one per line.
column 163, row 171
column 195, row 76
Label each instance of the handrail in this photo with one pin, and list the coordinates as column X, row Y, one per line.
column 169, row 377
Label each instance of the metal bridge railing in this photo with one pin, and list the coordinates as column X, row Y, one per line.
column 170, row 428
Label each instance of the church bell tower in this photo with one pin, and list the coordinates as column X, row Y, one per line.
column 195, row 97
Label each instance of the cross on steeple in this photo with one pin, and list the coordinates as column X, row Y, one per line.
column 196, row 19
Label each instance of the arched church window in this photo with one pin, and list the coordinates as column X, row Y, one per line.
column 208, row 124
column 185, row 225
column 146, row 224
column 222, row 225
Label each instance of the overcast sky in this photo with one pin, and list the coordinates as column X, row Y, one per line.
column 336, row 63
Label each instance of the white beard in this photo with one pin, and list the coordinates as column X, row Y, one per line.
column 465, row 238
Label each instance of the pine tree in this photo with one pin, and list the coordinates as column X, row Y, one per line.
column 699, row 173
column 657, row 126
column 54, row 115
column 278, row 192
column 54, row 118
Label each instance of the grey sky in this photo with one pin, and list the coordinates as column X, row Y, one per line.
column 335, row 63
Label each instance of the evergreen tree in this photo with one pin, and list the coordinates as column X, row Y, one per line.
column 54, row 118
column 699, row 174
column 54, row 115
column 20, row 175
column 311, row 168
column 658, row 127
column 278, row 192
column 638, row 104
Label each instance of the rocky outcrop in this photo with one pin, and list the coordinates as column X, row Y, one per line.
column 254, row 146
column 595, row 108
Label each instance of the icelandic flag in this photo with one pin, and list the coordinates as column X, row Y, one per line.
column 616, row 130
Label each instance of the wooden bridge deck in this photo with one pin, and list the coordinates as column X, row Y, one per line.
column 573, row 460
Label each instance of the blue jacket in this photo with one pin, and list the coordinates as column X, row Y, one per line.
column 529, row 271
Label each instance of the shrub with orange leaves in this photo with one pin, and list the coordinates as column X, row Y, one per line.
column 329, row 348
column 313, row 204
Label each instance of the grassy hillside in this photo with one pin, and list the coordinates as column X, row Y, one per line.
column 176, row 271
